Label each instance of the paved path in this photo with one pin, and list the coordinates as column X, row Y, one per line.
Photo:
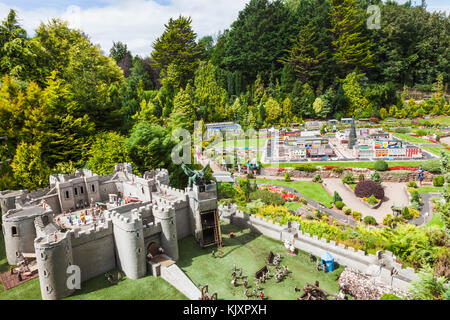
column 394, row 194
column 426, row 212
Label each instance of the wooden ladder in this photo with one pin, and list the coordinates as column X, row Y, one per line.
column 217, row 233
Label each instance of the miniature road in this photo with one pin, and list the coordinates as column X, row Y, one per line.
column 426, row 212
column 394, row 195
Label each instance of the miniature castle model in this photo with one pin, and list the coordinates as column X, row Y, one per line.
column 99, row 223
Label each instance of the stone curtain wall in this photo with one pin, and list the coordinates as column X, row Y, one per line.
column 369, row 264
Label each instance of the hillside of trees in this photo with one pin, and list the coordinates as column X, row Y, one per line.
column 64, row 104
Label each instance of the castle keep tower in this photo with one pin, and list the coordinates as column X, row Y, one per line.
column 164, row 213
column 53, row 258
column 203, row 204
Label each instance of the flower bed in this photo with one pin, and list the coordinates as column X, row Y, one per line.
column 402, row 168
column 288, row 196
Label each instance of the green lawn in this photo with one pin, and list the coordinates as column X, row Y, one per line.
column 293, row 205
column 440, row 120
column 311, row 190
column 436, row 220
column 409, row 138
column 356, row 164
column 429, row 189
column 436, row 150
column 148, row 288
column 249, row 251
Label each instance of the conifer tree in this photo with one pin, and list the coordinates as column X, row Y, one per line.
column 351, row 48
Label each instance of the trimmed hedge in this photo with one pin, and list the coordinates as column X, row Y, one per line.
column 366, row 188
column 339, row 205
column 267, row 197
column 380, row 165
column 307, row 167
column 370, row 220
column 432, row 165
column 438, row 181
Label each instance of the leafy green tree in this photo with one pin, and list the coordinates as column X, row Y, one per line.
column 107, row 150
column 273, row 110
column 177, row 46
column 351, row 47
column 183, row 104
column 30, row 170
column 120, row 53
column 257, row 39
column 358, row 102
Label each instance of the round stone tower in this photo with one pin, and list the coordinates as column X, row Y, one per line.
column 164, row 213
column 7, row 201
column 53, row 258
column 129, row 240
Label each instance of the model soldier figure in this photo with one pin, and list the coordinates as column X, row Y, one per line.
column 245, row 284
column 240, row 272
column 246, row 293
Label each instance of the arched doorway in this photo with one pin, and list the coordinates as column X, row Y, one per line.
column 153, row 249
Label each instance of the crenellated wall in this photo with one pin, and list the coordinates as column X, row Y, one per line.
column 394, row 274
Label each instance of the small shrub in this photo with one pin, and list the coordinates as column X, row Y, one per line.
column 317, row 178
column 356, row 215
column 376, row 177
column 336, row 197
column 372, row 200
column 339, row 205
column 402, row 130
column 361, row 177
column 390, row 296
column 287, row 177
column 438, row 181
column 414, row 212
column 432, row 165
column 421, row 133
column 307, row 167
column 226, row 191
column 309, row 217
column 348, row 178
column 338, row 170
column 346, row 210
column 380, row 165
column 412, row 184
column 367, row 188
column 370, row 220
column 405, row 213
column 250, row 175
column 415, row 198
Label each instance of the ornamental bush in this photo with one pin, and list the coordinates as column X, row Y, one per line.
column 336, row 197
column 376, row 177
column 372, row 200
column 402, row 130
column 438, row 181
column 287, row 177
column 380, row 165
column 307, row 167
column 421, row 133
column 370, row 220
column 412, row 184
column 405, row 213
column 361, row 177
column 346, row 210
column 432, row 165
column 339, row 205
column 356, row 215
column 368, row 188
column 348, row 178
column 338, row 170
column 317, row 178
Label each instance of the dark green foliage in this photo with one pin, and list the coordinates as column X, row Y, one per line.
column 438, row 181
column 405, row 213
column 370, row 220
column 339, row 204
column 366, row 188
column 432, row 165
column 267, row 197
column 287, row 177
column 338, row 170
column 376, row 177
column 307, row 167
column 361, row 177
column 336, row 197
column 380, row 165
column 226, row 191
column 317, row 178
column 348, row 178
column 402, row 130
